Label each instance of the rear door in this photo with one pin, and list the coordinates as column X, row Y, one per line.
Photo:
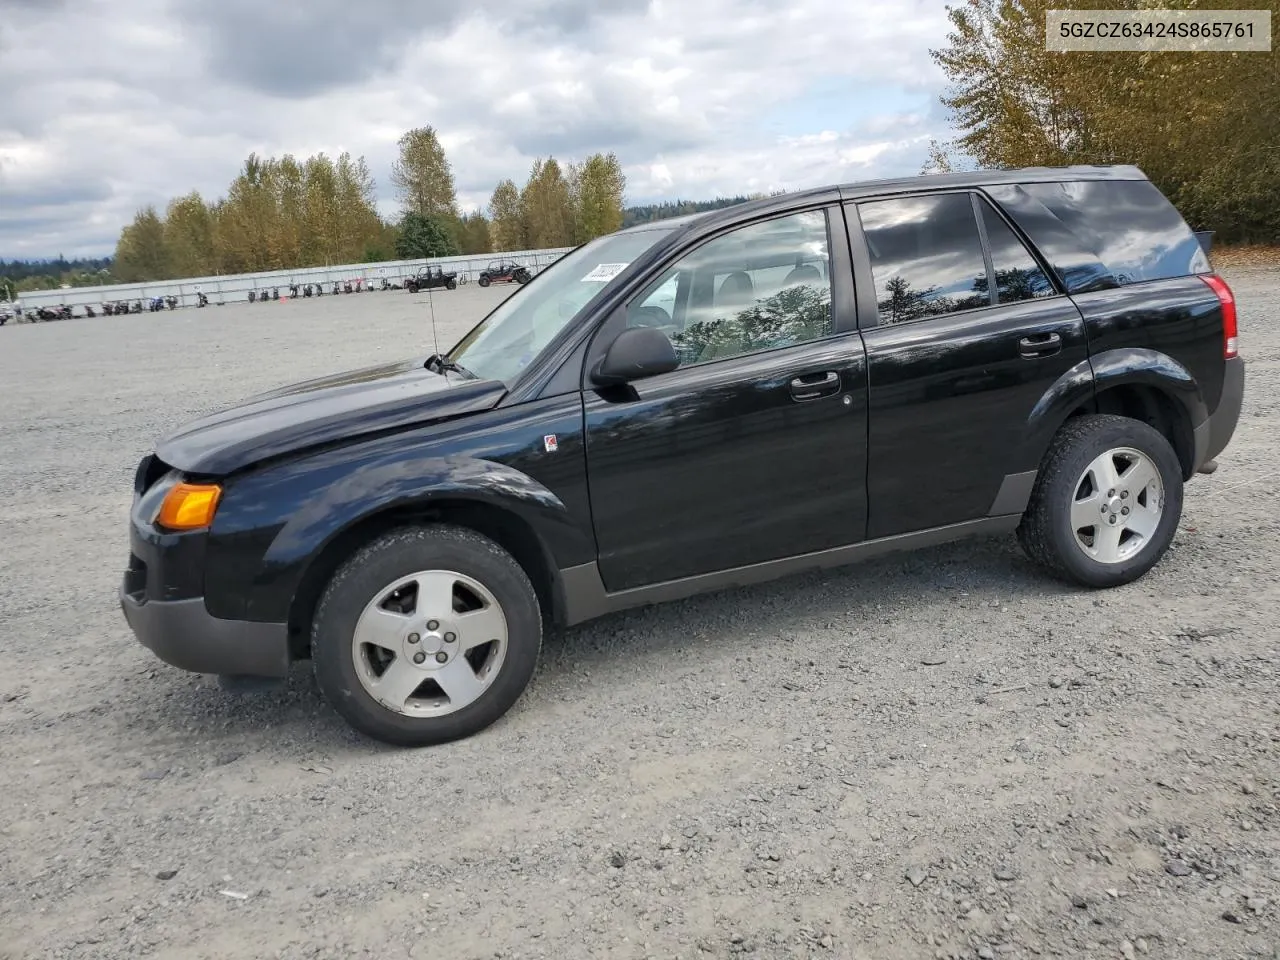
column 753, row 449
column 965, row 331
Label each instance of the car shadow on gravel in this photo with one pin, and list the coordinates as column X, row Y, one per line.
column 984, row 568
column 296, row 714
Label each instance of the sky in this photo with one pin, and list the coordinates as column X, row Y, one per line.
column 111, row 105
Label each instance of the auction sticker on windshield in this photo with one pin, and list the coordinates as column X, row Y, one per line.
column 604, row 272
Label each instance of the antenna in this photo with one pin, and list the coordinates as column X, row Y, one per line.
column 431, row 304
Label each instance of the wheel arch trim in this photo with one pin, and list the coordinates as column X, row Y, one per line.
column 411, row 489
column 1080, row 386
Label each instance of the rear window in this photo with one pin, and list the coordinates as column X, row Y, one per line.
column 1128, row 225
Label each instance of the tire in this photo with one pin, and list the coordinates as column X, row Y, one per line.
column 522, row 278
column 411, row 287
column 451, row 285
column 472, row 565
column 484, row 281
column 1068, row 489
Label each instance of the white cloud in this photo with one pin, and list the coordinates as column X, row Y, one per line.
column 130, row 102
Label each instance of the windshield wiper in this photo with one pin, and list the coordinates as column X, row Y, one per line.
column 443, row 363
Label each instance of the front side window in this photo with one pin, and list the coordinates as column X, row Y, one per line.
column 507, row 340
column 926, row 256
column 758, row 287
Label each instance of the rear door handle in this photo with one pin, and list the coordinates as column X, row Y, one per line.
column 1040, row 345
column 815, row 385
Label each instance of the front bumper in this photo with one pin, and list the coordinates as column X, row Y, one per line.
column 183, row 633
column 162, row 597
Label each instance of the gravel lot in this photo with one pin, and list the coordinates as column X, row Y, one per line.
column 941, row 754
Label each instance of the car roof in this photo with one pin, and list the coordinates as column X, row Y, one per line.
column 896, row 185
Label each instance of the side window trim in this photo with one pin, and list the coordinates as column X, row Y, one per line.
column 867, row 312
column 992, row 292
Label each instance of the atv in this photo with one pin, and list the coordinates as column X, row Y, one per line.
column 429, row 278
column 504, row 271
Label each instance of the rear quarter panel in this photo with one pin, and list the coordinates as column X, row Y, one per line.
column 1180, row 318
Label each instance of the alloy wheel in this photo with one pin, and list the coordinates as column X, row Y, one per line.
column 430, row 644
column 1117, row 505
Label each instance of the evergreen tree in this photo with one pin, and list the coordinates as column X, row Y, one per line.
column 423, row 237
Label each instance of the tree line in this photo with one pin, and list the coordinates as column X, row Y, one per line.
column 188, row 227
column 1205, row 127
column 282, row 213
column 19, row 275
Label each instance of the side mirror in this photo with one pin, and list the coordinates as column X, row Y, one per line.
column 636, row 353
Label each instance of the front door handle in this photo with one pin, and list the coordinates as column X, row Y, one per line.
column 815, row 385
column 1040, row 345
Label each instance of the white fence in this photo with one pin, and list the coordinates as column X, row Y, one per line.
column 236, row 287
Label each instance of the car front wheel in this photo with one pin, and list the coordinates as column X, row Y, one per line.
column 1106, row 502
column 426, row 635
column 452, row 285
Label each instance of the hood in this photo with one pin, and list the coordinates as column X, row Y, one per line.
column 319, row 412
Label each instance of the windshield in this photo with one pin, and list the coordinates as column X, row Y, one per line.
column 505, row 341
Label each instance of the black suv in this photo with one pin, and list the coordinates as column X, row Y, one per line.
column 796, row 382
column 428, row 278
column 504, row 271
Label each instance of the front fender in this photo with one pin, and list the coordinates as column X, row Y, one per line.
column 400, row 482
column 387, row 485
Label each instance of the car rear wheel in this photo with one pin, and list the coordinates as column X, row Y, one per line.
column 1106, row 502
column 426, row 635
column 484, row 281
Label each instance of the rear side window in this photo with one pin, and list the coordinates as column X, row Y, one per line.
column 1129, row 225
column 926, row 256
column 1018, row 276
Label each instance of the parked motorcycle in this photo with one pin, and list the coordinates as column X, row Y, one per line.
column 275, row 293
column 171, row 302
column 88, row 311
column 202, row 300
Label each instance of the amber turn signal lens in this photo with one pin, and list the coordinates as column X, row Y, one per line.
column 189, row 506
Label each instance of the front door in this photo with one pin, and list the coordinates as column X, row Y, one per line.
column 753, row 448
column 964, row 335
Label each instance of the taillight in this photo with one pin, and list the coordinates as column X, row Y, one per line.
column 1230, row 332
